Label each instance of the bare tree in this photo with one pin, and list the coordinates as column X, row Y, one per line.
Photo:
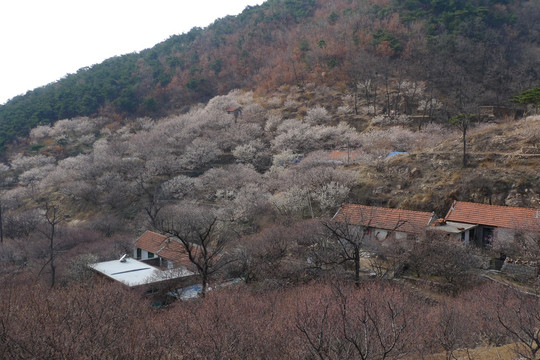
column 203, row 235
column 463, row 122
column 435, row 254
column 348, row 241
column 53, row 217
column 350, row 237
column 519, row 314
column 371, row 322
column 267, row 254
column 449, row 329
column 152, row 204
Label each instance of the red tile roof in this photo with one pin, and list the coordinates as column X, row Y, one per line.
column 408, row 221
column 165, row 247
column 493, row 215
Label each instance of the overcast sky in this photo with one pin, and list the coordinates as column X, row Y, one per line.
column 43, row 40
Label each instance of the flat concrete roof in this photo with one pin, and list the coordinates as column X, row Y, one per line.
column 132, row 272
column 454, row 227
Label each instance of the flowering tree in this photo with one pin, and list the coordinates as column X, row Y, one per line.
column 317, row 115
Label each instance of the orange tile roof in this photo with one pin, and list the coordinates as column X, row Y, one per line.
column 232, row 109
column 151, row 241
column 337, row 155
column 494, row 215
column 165, row 247
column 408, row 221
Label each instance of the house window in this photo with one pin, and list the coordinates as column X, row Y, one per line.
column 139, row 253
column 488, row 237
column 472, row 235
column 150, row 255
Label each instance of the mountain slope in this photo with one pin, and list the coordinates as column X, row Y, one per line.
column 469, row 53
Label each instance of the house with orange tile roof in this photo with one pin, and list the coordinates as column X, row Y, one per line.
column 234, row 110
column 492, row 220
column 158, row 262
column 161, row 250
column 344, row 157
column 382, row 222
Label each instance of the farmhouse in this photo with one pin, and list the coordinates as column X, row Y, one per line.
column 380, row 222
column 482, row 223
column 236, row 111
column 342, row 157
column 157, row 259
column 160, row 250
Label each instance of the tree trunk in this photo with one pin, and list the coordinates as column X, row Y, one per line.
column 464, row 147
column 357, row 264
column 51, row 259
column 310, row 208
column 375, row 100
column 1, row 226
column 387, row 90
column 204, row 285
column 356, row 99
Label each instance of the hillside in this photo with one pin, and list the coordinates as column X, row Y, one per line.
column 283, row 156
column 282, row 161
column 238, row 144
column 468, row 53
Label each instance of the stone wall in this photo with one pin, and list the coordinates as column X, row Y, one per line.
column 521, row 270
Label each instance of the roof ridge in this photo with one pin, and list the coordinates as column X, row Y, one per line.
column 500, row 206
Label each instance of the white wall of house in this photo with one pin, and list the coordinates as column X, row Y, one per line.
column 144, row 255
column 382, row 234
column 400, row 235
column 467, row 237
column 375, row 236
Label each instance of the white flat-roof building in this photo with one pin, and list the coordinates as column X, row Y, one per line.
column 133, row 273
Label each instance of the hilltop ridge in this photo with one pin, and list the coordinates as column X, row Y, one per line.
column 467, row 53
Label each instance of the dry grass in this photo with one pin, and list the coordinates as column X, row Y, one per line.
column 506, row 352
column 498, row 167
column 506, row 137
